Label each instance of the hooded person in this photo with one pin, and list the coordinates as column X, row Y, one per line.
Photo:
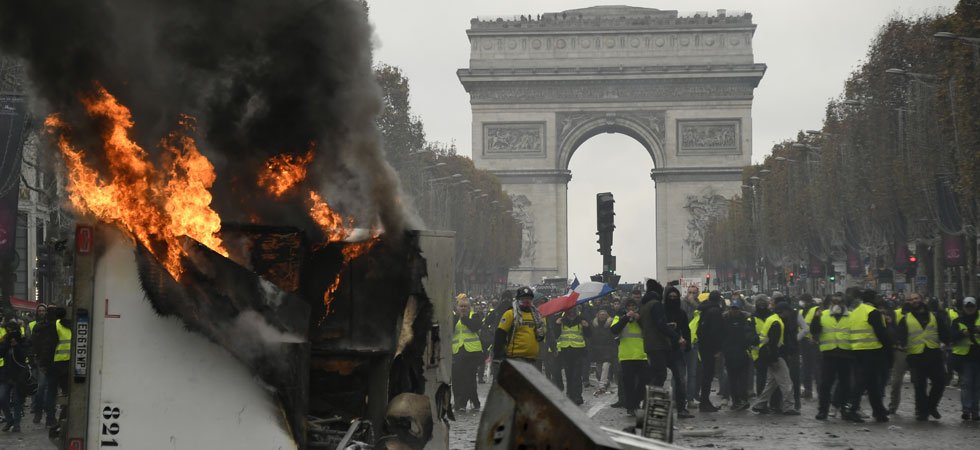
column 710, row 328
column 658, row 337
column 759, row 315
column 676, row 358
column 739, row 336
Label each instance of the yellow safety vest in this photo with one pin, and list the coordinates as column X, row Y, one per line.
column 810, row 314
column 571, row 337
column 63, row 351
column 754, row 350
column 764, row 338
column 862, row 333
column 630, row 342
column 32, row 325
column 953, row 314
column 962, row 345
column 920, row 338
column 464, row 338
column 694, row 326
column 3, row 332
column 834, row 333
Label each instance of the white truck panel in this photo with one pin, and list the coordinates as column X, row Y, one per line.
column 155, row 385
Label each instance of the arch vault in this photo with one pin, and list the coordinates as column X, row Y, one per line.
column 681, row 86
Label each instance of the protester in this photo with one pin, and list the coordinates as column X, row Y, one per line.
column 571, row 350
column 520, row 331
column 738, row 336
column 689, row 305
column 677, row 319
column 710, row 327
column 921, row 332
column 603, row 350
column 467, row 355
column 831, row 330
column 870, row 344
column 770, row 354
column 633, row 365
column 966, row 352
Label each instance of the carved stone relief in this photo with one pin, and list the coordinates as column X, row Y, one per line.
column 654, row 43
column 702, row 209
column 524, row 214
column 514, row 139
column 650, row 121
column 605, row 90
column 12, row 75
column 712, row 137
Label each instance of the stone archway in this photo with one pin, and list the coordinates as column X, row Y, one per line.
column 541, row 86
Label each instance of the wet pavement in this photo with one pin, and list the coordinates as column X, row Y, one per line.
column 748, row 430
column 739, row 430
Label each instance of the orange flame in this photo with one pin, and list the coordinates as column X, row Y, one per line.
column 282, row 173
column 155, row 207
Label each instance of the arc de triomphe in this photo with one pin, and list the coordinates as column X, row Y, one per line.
column 682, row 86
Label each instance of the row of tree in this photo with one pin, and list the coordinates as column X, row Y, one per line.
column 896, row 164
column 449, row 192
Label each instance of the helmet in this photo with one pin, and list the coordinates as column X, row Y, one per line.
column 524, row 291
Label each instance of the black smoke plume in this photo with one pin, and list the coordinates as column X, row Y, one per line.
column 262, row 77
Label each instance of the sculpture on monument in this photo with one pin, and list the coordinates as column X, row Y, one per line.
column 702, row 210
column 525, row 216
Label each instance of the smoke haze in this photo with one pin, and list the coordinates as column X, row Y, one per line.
column 262, row 78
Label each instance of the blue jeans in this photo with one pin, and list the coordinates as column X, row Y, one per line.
column 970, row 386
column 691, row 361
column 37, row 401
column 11, row 403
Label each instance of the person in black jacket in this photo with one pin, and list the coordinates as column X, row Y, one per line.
column 658, row 337
column 738, row 336
column 676, row 362
column 466, row 355
column 13, row 376
column 710, row 329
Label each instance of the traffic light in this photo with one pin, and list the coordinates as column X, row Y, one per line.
column 792, row 277
column 43, row 259
column 913, row 259
column 605, row 222
column 707, row 279
column 833, row 277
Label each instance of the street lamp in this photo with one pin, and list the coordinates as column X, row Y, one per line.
column 442, row 164
column 974, row 42
column 852, row 102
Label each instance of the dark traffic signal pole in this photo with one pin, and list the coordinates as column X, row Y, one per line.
column 605, row 224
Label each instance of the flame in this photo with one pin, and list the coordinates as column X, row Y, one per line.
column 282, row 173
column 155, row 207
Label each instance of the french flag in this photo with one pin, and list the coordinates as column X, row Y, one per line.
column 578, row 293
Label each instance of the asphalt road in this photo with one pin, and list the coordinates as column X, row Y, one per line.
column 748, row 430
column 740, row 430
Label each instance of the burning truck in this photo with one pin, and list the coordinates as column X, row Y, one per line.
column 246, row 274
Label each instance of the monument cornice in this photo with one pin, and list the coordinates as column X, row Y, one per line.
column 696, row 174
column 470, row 75
column 610, row 90
column 533, row 176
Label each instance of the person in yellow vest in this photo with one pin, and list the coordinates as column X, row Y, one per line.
column 809, row 353
column 921, row 333
column 520, row 331
column 870, row 344
column 52, row 346
column 899, row 364
column 831, row 330
column 689, row 304
column 777, row 372
column 573, row 329
column 966, row 352
column 761, row 313
column 13, row 375
column 634, row 368
column 467, row 354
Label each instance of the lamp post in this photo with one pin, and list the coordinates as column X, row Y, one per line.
column 972, row 41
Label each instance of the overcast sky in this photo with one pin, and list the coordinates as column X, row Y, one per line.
column 810, row 47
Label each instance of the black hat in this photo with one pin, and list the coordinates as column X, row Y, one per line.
column 524, row 292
